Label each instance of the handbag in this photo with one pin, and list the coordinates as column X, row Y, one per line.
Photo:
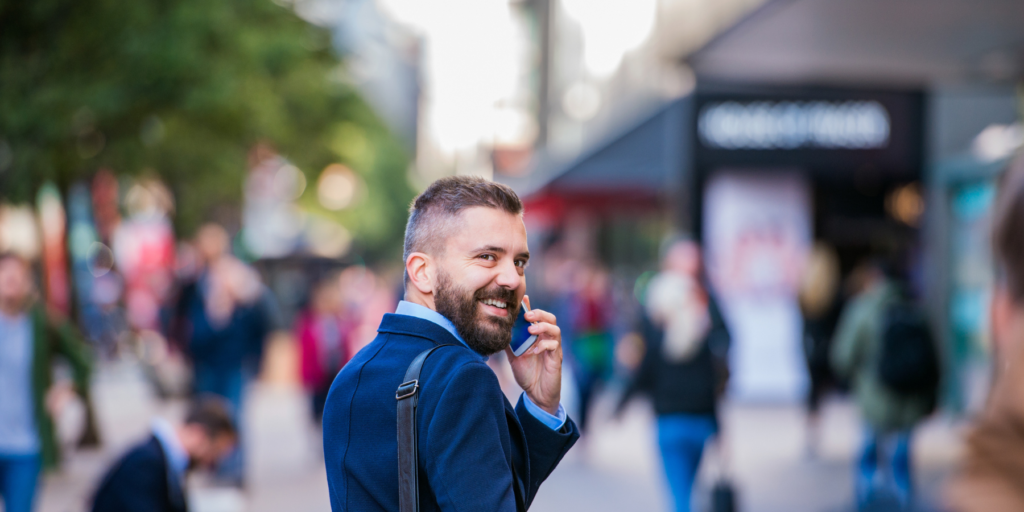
column 407, row 395
column 723, row 493
column 723, row 496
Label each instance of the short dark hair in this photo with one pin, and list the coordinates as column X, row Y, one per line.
column 213, row 414
column 432, row 211
column 1008, row 229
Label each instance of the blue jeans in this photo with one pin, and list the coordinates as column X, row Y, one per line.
column 681, row 438
column 19, row 475
column 229, row 384
column 893, row 450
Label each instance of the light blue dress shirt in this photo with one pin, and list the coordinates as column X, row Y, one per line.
column 18, row 434
column 554, row 422
column 177, row 457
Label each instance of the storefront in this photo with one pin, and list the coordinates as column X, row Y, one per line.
column 964, row 192
column 757, row 174
column 777, row 170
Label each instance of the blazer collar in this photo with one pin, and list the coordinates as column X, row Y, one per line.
column 421, row 328
column 175, row 481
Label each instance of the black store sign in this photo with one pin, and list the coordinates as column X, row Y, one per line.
column 822, row 130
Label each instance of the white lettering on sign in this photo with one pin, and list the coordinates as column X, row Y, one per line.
column 794, row 125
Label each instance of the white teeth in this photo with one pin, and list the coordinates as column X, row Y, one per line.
column 495, row 303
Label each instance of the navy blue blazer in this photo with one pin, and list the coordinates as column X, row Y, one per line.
column 140, row 481
column 469, row 434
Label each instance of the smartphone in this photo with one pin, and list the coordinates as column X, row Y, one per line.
column 522, row 340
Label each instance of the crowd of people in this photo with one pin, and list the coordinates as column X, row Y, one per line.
column 865, row 334
column 215, row 318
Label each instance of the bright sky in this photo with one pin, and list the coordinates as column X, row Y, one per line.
column 476, row 53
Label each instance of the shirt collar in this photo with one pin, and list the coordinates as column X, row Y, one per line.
column 424, row 313
column 177, row 457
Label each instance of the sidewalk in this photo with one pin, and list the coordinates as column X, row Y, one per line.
column 618, row 467
column 614, row 468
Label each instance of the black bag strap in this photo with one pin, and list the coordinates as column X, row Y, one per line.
column 407, row 395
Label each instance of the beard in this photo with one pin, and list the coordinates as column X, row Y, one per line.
column 487, row 335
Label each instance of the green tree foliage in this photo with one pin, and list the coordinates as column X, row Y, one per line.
column 184, row 89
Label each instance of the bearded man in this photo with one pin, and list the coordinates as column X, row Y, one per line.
column 465, row 258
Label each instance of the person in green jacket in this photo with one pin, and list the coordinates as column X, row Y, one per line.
column 29, row 340
column 889, row 416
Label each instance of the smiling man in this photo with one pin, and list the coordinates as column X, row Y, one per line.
column 465, row 258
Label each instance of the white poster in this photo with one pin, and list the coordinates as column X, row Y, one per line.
column 757, row 232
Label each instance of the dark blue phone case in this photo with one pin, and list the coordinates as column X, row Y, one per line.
column 520, row 332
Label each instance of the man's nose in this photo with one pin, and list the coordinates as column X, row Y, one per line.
column 508, row 275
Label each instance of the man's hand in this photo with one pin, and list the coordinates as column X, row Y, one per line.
column 539, row 370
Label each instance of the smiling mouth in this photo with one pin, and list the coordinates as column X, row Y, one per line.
column 495, row 307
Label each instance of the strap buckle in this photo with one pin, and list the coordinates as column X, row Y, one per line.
column 407, row 389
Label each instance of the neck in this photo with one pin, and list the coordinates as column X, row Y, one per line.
column 414, row 296
column 11, row 307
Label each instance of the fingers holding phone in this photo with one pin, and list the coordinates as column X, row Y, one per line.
column 522, row 337
column 536, row 356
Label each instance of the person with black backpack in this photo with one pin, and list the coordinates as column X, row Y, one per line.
column 885, row 349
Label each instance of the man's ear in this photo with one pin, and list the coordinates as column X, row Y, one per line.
column 420, row 269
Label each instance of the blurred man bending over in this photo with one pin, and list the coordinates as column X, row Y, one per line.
column 465, row 258
column 151, row 476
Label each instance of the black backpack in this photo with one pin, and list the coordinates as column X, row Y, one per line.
column 908, row 362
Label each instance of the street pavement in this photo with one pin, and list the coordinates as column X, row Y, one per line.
column 613, row 468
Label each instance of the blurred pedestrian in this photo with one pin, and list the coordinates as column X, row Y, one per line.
column 30, row 337
column 820, row 305
column 366, row 298
column 465, row 258
column 104, row 321
column 682, row 369
column 991, row 477
column 228, row 328
column 323, row 335
column 882, row 340
column 591, row 345
column 151, row 476
column 222, row 319
column 210, row 245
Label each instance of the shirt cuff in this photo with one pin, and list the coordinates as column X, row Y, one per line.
column 554, row 422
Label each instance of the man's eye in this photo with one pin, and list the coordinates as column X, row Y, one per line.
column 488, row 257
column 521, row 263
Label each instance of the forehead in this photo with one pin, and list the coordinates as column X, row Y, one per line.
column 482, row 226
